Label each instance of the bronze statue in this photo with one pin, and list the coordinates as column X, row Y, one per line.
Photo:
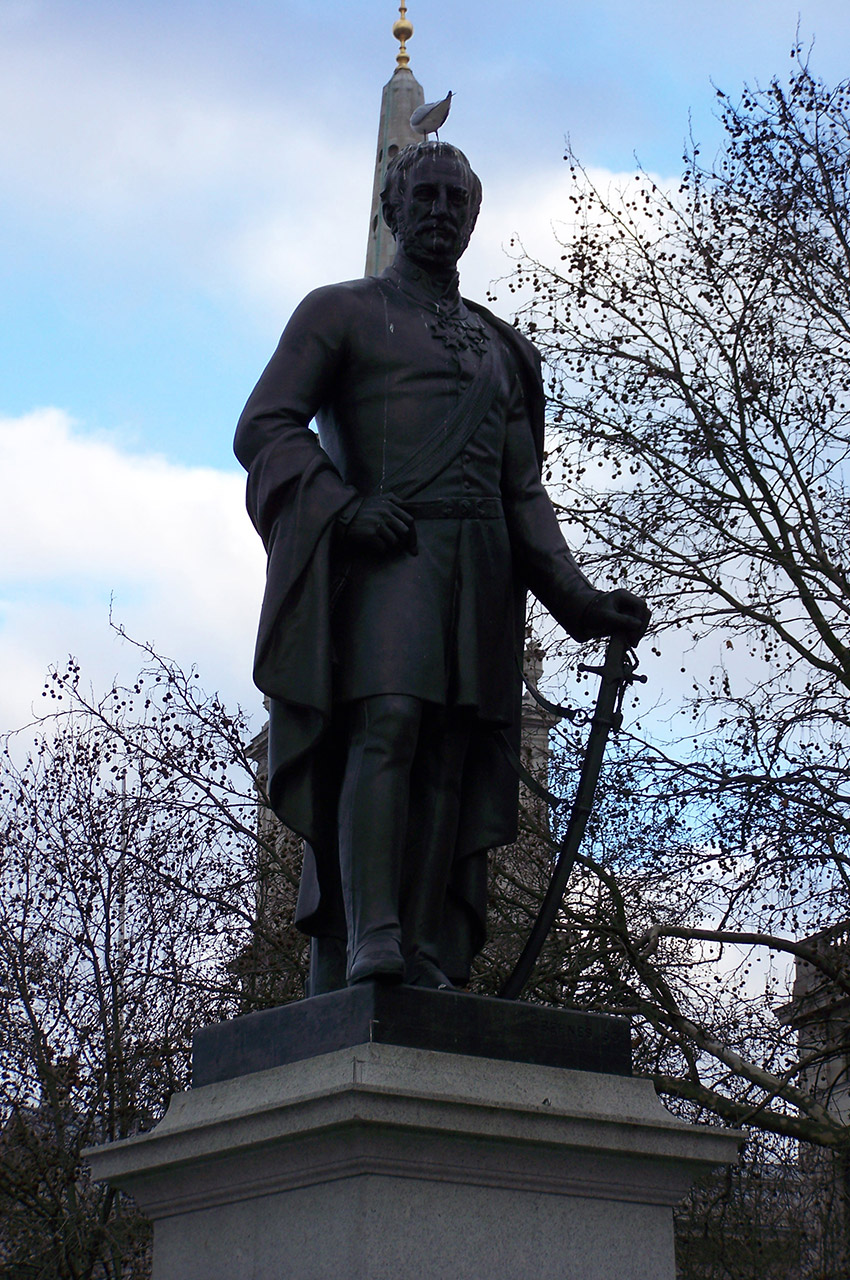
column 401, row 540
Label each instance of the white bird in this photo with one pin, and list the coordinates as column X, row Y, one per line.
column 431, row 117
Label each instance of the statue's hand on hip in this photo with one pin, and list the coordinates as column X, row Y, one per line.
column 381, row 525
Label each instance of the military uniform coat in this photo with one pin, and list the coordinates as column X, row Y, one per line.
column 380, row 364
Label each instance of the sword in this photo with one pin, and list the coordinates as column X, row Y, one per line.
column 617, row 673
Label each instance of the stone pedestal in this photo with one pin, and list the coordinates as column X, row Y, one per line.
column 379, row 1160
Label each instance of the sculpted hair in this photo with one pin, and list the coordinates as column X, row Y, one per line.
column 399, row 168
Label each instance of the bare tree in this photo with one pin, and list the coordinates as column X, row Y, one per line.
column 698, row 351
column 128, row 881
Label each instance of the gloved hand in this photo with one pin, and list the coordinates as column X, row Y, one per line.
column 617, row 612
column 381, row 525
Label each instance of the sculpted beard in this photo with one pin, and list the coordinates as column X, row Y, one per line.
column 410, row 239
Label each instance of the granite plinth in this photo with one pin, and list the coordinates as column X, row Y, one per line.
column 382, row 1162
column 443, row 1021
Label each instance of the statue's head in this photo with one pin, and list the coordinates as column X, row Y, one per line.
column 430, row 202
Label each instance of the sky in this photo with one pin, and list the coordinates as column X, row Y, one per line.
column 176, row 175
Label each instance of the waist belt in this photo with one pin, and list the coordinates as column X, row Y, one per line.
column 455, row 509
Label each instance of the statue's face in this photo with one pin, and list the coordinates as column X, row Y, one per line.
column 431, row 223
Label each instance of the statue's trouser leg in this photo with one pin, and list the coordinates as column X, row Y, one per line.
column 328, row 964
column 432, row 835
column 373, row 812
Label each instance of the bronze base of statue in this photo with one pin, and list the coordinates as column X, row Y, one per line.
column 416, row 1017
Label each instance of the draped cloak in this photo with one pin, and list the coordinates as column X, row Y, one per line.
column 354, row 356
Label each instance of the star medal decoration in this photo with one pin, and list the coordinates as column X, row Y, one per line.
column 459, row 333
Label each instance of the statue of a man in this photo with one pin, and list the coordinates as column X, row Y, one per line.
column 401, row 540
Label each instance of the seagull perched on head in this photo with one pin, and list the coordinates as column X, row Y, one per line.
column 431, row 117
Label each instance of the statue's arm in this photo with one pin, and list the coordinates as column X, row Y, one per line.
column 274, row 441
column 541, row 553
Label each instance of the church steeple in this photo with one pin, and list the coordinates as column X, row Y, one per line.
column 402, row 95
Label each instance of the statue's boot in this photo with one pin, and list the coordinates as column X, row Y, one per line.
column 373, row 813
column 419, row 971
column 434, row 816
column 424, row 899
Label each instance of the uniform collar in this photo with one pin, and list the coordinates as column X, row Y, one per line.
column 421, row 286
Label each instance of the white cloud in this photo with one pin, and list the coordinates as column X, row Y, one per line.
column 312, row 233
column 161, row 165
column 159, row 161
column 171, row 545
column 112, row 139
column 537, row 211
column 276, row 259
column 244, row 192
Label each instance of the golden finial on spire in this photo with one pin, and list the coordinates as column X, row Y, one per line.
column 403, row 30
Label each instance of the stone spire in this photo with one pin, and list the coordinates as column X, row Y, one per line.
column 402, row 95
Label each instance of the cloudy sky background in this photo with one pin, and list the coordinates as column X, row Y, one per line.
column 175, row 175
